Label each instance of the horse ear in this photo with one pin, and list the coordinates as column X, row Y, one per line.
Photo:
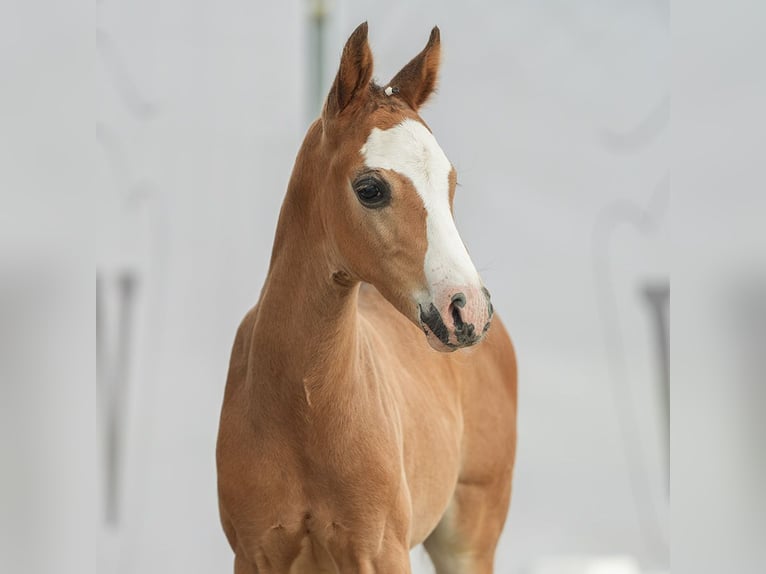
column 417, row 80
column 354, row 73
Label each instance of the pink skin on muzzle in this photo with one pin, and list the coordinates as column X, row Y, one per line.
column 458, row 317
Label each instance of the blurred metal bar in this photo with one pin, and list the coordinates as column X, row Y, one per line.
column 657, row 295
column 112, row 383
column 318, row 12
column 647, row 220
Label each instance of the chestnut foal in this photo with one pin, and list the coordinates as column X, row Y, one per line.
column 345, row 440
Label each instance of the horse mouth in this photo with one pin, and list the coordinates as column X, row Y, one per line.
column 438, row 333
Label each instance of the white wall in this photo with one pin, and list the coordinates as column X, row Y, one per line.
column 200, row 116
column 552, row 112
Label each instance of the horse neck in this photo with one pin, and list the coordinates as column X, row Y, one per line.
column 305, row 334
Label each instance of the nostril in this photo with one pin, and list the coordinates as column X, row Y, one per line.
column 458, row 299
column 457, row 319
column 490, row 308
column 458, row 302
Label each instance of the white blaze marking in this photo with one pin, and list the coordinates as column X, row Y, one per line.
column 411, row 150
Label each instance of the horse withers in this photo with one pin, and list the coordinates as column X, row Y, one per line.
column 345, row 439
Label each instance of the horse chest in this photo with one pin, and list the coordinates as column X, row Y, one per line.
column 294, row 513
column 311, row 469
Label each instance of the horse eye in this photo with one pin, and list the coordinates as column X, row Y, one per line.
column 372, row 192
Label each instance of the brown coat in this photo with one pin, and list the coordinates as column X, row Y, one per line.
column 345, row 439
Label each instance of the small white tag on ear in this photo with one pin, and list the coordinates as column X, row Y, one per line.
column 389, row 90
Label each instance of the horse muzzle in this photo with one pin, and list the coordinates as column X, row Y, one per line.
column 456, row 318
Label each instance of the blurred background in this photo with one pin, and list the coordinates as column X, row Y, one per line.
column 555, row 115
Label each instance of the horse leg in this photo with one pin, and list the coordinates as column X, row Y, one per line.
column 392, row 558
column 465, row 539
column 242, row 566
column 395, row 560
